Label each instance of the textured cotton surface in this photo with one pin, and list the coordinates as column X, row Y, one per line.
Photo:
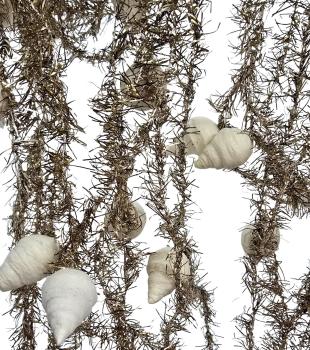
column 68, row 296
column 160, row 270
column 28, row 261
column 230, row 148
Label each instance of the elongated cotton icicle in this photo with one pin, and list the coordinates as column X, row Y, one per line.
column 230, row 148
column 136, row 219
column 247, row 238
column 199, row 132
column 161, row 281
column 28, row 262
column 68, row 296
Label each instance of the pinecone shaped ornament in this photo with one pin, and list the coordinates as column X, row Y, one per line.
column 6, row 14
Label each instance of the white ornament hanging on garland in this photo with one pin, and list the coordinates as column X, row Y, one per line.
column 161, row 280
column 199, row 132
column 6, row 14
column 4, row 103
column 136, row 220
column 247, row 238
column 230, row 148
column 68, row 296
column 28, row 262
column 142, row 84
column 131, row 12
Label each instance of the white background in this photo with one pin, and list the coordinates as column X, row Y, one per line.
column 222, row 204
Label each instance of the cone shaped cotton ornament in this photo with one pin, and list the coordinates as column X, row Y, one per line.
column 28, row 262
column 230, row 148
column 199, row 132
column 135, row 220
column 6, row 14
column 68, row 296
column 161, row 281
column 141, row 85
column 247, row 238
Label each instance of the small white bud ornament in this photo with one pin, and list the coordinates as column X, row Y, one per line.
column 68, row 296
column 199, row 132
column 136, row 219
column 230, row 148
column 161, row 280
column 142, row 84
column 247, row 238
column 28, row 262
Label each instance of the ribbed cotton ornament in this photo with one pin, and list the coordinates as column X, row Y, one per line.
column 161, row 281
column 142, row 84
column 28, row 262
column 136, row 219
column 68, row 296
column 248, row 246
column 230, row 148
column 6, row 14
column 199, row 132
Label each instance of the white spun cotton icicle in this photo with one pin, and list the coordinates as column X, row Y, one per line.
column 161, row 280
column 28, row 262
column 68, row 296
column 199, row 132
column 230, row 148
column 136, row 219
column 247, row 238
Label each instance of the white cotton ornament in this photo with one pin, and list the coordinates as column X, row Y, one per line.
column 230, row 148
column 247, row 238
column 68, row 296
column 130, row 11
column 141, row 85
column 199, row 132
column 161, row 281
column 6, row 14
column 28, row 262
column 136, row 218
column 4, row 103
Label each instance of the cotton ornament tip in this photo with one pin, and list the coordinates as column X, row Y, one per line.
column 247, row 242
column 28, row 262
column 230, row 148
column 199, row 132
column 68, row 296
column 142, row 84
column 161, row 281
